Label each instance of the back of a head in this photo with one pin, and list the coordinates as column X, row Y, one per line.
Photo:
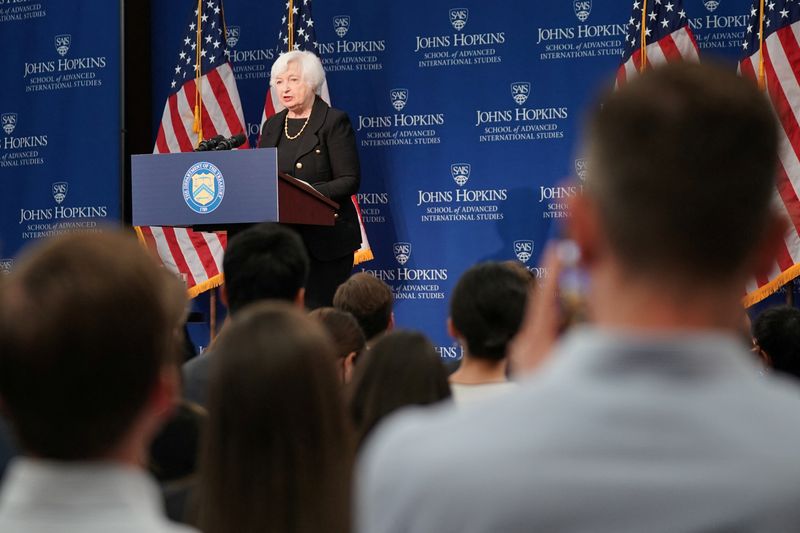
column 369, row 300
column 277, row 454
column 342, row 328
column 402, row 369
column 777, row 332
column 683, row 165
column 87, row 322
column 264, row 262
column 487, row 306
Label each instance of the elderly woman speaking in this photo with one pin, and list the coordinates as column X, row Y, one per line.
column 316, row 144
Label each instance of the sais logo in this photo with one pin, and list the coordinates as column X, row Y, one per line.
column 711, row 5
column 59, row 190
column 458, row 17
column 341, row 23
column 523, row 250
column 62, row 43
column 582, row 9
column 203, row 187
column 399, row 98
column 402, row 252
column 9, row 122
column 520, row 91
column 460, row 172
column 581, row 168
column 6, row 265
column 232, row 36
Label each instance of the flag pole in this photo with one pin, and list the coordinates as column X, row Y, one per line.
column 291, row 26
column 761, row 82
column 198, row 77
column 643, row 45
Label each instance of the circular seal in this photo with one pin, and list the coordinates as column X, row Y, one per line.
column 203, row 187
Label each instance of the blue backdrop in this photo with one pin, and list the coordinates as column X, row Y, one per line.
column 60, row 117
column 467, row 117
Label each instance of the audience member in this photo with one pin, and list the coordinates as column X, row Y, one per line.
column 174, row 457
column 655, row 418
column 776, row 338
column 369, row 300
column 486, row 309
column 348, row 339
column 278, row 451
column 402, row 369
column 263, row 262
column 88, row 372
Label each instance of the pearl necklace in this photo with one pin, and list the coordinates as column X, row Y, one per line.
column 299, row 133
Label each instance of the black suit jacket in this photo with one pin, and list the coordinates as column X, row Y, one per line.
column 327, row 158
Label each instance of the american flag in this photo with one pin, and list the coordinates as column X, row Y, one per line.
column 778, row 71
column 297, row 33
column 666, row 33
column 202, row 67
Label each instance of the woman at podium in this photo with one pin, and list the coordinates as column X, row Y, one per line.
column 316, row 144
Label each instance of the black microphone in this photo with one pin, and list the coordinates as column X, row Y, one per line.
column 233, row 142
column 209, row 144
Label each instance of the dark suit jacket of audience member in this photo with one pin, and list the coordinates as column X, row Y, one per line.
column 195, row 378
column 327, row 158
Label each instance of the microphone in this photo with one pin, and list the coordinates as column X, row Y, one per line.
column 233, row 142
column 209, row 144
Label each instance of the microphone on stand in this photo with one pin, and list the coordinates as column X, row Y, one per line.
column 233, row 142
column 209, row 144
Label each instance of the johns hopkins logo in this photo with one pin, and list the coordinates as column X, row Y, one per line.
column 460, row 172
column 582, row 9
column 6, row 265
column 399, row 98
column 458, row 17
column 520, row 91
column 523, row 250
column 9, row 122
column 232, row 36
column 59, row 190
column 581, row 166
column 341, row 23
column 62, row 43
column 402, row 252
column 203, row 187
column 711, row 5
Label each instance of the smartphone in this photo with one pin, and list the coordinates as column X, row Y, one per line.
column 573, row 286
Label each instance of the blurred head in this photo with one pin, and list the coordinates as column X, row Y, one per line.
column 683, row 165
column 88, row 345
column 401, row 369
column 297, row 76
column 369, row 300
column 265, row 262
column 348, row 339
column 277, row 454
column 486, row 309
column 776, row 334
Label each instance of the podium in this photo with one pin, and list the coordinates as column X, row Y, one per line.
column 213, row 190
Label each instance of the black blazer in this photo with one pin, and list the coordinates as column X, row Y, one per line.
column 327, row 158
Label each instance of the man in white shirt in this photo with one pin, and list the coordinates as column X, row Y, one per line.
column 88, row 373
column 655, row 418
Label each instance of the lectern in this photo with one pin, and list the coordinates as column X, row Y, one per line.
column 212, row 190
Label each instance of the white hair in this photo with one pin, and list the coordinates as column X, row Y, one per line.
column 310, row 67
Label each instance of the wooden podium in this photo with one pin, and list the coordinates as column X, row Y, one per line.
column 214, row 190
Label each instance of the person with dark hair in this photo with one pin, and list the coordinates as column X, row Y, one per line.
column 776, row 338
column 654, row 417
column 400, row 370
column 370, row 300
column 486, row 309
column 278, row 449
column 348, row 339
column 264, row 262
column 89, row 342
